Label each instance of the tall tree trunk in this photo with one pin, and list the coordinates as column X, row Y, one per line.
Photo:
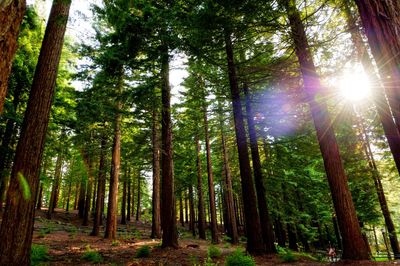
column 382, row 26
column 231, row 225
column 191, row 212
column 82, row 197
column 40, row 198
column 255, row 243
column 100, row 192
column 139, row 194
column 128, row 199
column 354, row 247
column 168, row 208
column 17, row 226
column 211, row 189
column 156, row 217
column 181, row 215
column 389, row 127
column 123, row 203
column 292, row 238
column 201, row 211
column 111, row 227
column 394, row 243
column 11, row 15
column 186, row 208
column 89, row 168
column 68, row 193
column 76, row 196
column 56, row 186
column 267, row 231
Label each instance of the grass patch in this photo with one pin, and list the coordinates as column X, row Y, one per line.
column 92, row 256
column 214, row 252
column 39, row 254
column 115, row 243
column 238, row 258
column 143, row 252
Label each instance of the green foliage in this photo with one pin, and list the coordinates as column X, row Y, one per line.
column 115, row 243
column 287, row 256
column 39, row 254
column 143, row 252
column 92, row 256
column 214, row 252
column 238, row 258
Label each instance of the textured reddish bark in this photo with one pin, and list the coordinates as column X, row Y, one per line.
column 382, row 26
column 156, row 217
column 168, row 202
column 200, row 194
column 255, row 243
column 11, row 15
column 354, row 247
column 17, row 226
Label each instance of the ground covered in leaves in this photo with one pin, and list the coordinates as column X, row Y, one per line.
column 64, row 241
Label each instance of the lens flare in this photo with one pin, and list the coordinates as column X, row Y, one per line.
column 355, row 87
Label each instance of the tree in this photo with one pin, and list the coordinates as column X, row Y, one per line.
column 11, row 15
column 17, row 237
column 354, row 246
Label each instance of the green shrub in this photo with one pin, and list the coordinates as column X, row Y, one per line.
column 288, row 256
column 39, row 254
column 238, row 258
column 143, row 252
column 115, row 243
column 214, row 252
column 92, row 256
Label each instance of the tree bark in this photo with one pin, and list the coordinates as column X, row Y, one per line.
column 56, row 186
column 123, row 203
column 156, row 217
column 111, row 227
column 382, row 106
column 168, row 208
column 82, row 197
column 354, row 247
column 231, row 225
column 201, row 211
column 89, row 168
column 40, row 198
column 211, row 189
column 100, row 193
column 255, row 243
column 11, row 15
column 139, row 189
column 267, row 231
column 128, row 199
column 191, row 212
column 181, row 215
column 17, row 226
column 382, row 26
column 394, row 243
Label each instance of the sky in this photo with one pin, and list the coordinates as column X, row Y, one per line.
column 80, row 30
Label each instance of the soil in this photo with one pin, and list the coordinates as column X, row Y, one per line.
column 67, row 241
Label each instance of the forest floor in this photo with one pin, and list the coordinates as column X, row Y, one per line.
column 67, row 242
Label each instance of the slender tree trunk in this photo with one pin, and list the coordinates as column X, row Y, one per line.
column 40, row 198
column 394, row 243
column 201, row 211
column 186, row 208
column 123, row 203
column 156, row 217
column 89, row 168
column 82, row 197
column 139, row 189
column 94, row 197
column 354, row 247
column 267, row 231
column 181, row 216
column 100, row 192
column 382, row 26
column 191, row 212
column 292, row 238
column 111, row 227
column 133, row 199
column 56, row 186
column 389, row 126
column 128, row 200
column 231, row 226
column 76, row 196
column 17, row 225
column 11, row 15
column 255, row 244
column 211, row 189
column 68, row 193
column 168, row 208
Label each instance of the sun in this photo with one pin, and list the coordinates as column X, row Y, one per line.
column 355, row 87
